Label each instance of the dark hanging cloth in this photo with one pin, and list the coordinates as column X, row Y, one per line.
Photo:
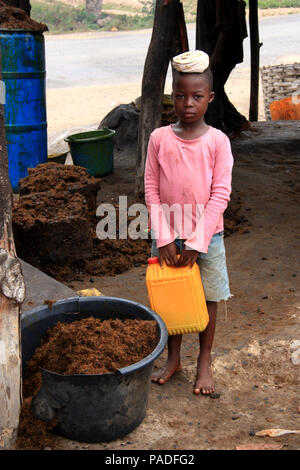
column 212, row 16
column 221, row 29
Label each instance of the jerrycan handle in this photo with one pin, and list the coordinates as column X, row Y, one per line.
column 155, row 259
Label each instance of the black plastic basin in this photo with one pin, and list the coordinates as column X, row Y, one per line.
column 91, row 408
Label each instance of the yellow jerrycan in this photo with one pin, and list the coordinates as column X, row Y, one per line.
column 176, row 294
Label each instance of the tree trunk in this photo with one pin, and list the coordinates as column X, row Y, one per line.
column 94, row 7
column 254, row 48
column 164, row 44
column 184, row 41
column 12, row 294
column 24, row 4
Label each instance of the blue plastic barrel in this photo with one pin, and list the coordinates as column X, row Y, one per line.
column 24, row 75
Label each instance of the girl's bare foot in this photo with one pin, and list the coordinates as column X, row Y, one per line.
column 166, row 372
column 204, row 380
column 173, row 363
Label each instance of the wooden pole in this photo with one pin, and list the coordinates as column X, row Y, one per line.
column 182, row 30
column 254, row 49
column 12, row 294
column 164, row 44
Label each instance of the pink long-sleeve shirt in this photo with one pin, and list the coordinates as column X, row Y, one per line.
column 194, row 175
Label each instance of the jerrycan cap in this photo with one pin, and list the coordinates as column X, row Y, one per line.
column 153, row 260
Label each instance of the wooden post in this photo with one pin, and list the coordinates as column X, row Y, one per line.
column 182, row 30
column 163, row 46
column 12, row 294
column 254, row 49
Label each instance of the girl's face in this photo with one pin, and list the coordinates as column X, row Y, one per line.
column 191, row 96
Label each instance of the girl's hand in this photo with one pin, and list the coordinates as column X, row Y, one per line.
column 168, row 254
column 188, row 257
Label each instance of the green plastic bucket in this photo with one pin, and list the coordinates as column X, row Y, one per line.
column 93, row 150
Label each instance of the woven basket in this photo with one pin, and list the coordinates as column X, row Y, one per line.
column 278, row 82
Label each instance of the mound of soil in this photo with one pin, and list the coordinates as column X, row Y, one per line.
column 93, row 346
column 88, row 346
column 39, row 208
column 108, row 258
column 16, row 18
column 52, row 227
column 54, row 178
column 234, row 220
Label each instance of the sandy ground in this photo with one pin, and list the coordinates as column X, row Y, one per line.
column 81, row 106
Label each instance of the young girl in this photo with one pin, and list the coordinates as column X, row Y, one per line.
column 190, row 164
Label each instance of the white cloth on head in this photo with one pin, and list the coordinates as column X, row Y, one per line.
column 191, row 62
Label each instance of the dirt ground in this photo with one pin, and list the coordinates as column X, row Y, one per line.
column 255, row 375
